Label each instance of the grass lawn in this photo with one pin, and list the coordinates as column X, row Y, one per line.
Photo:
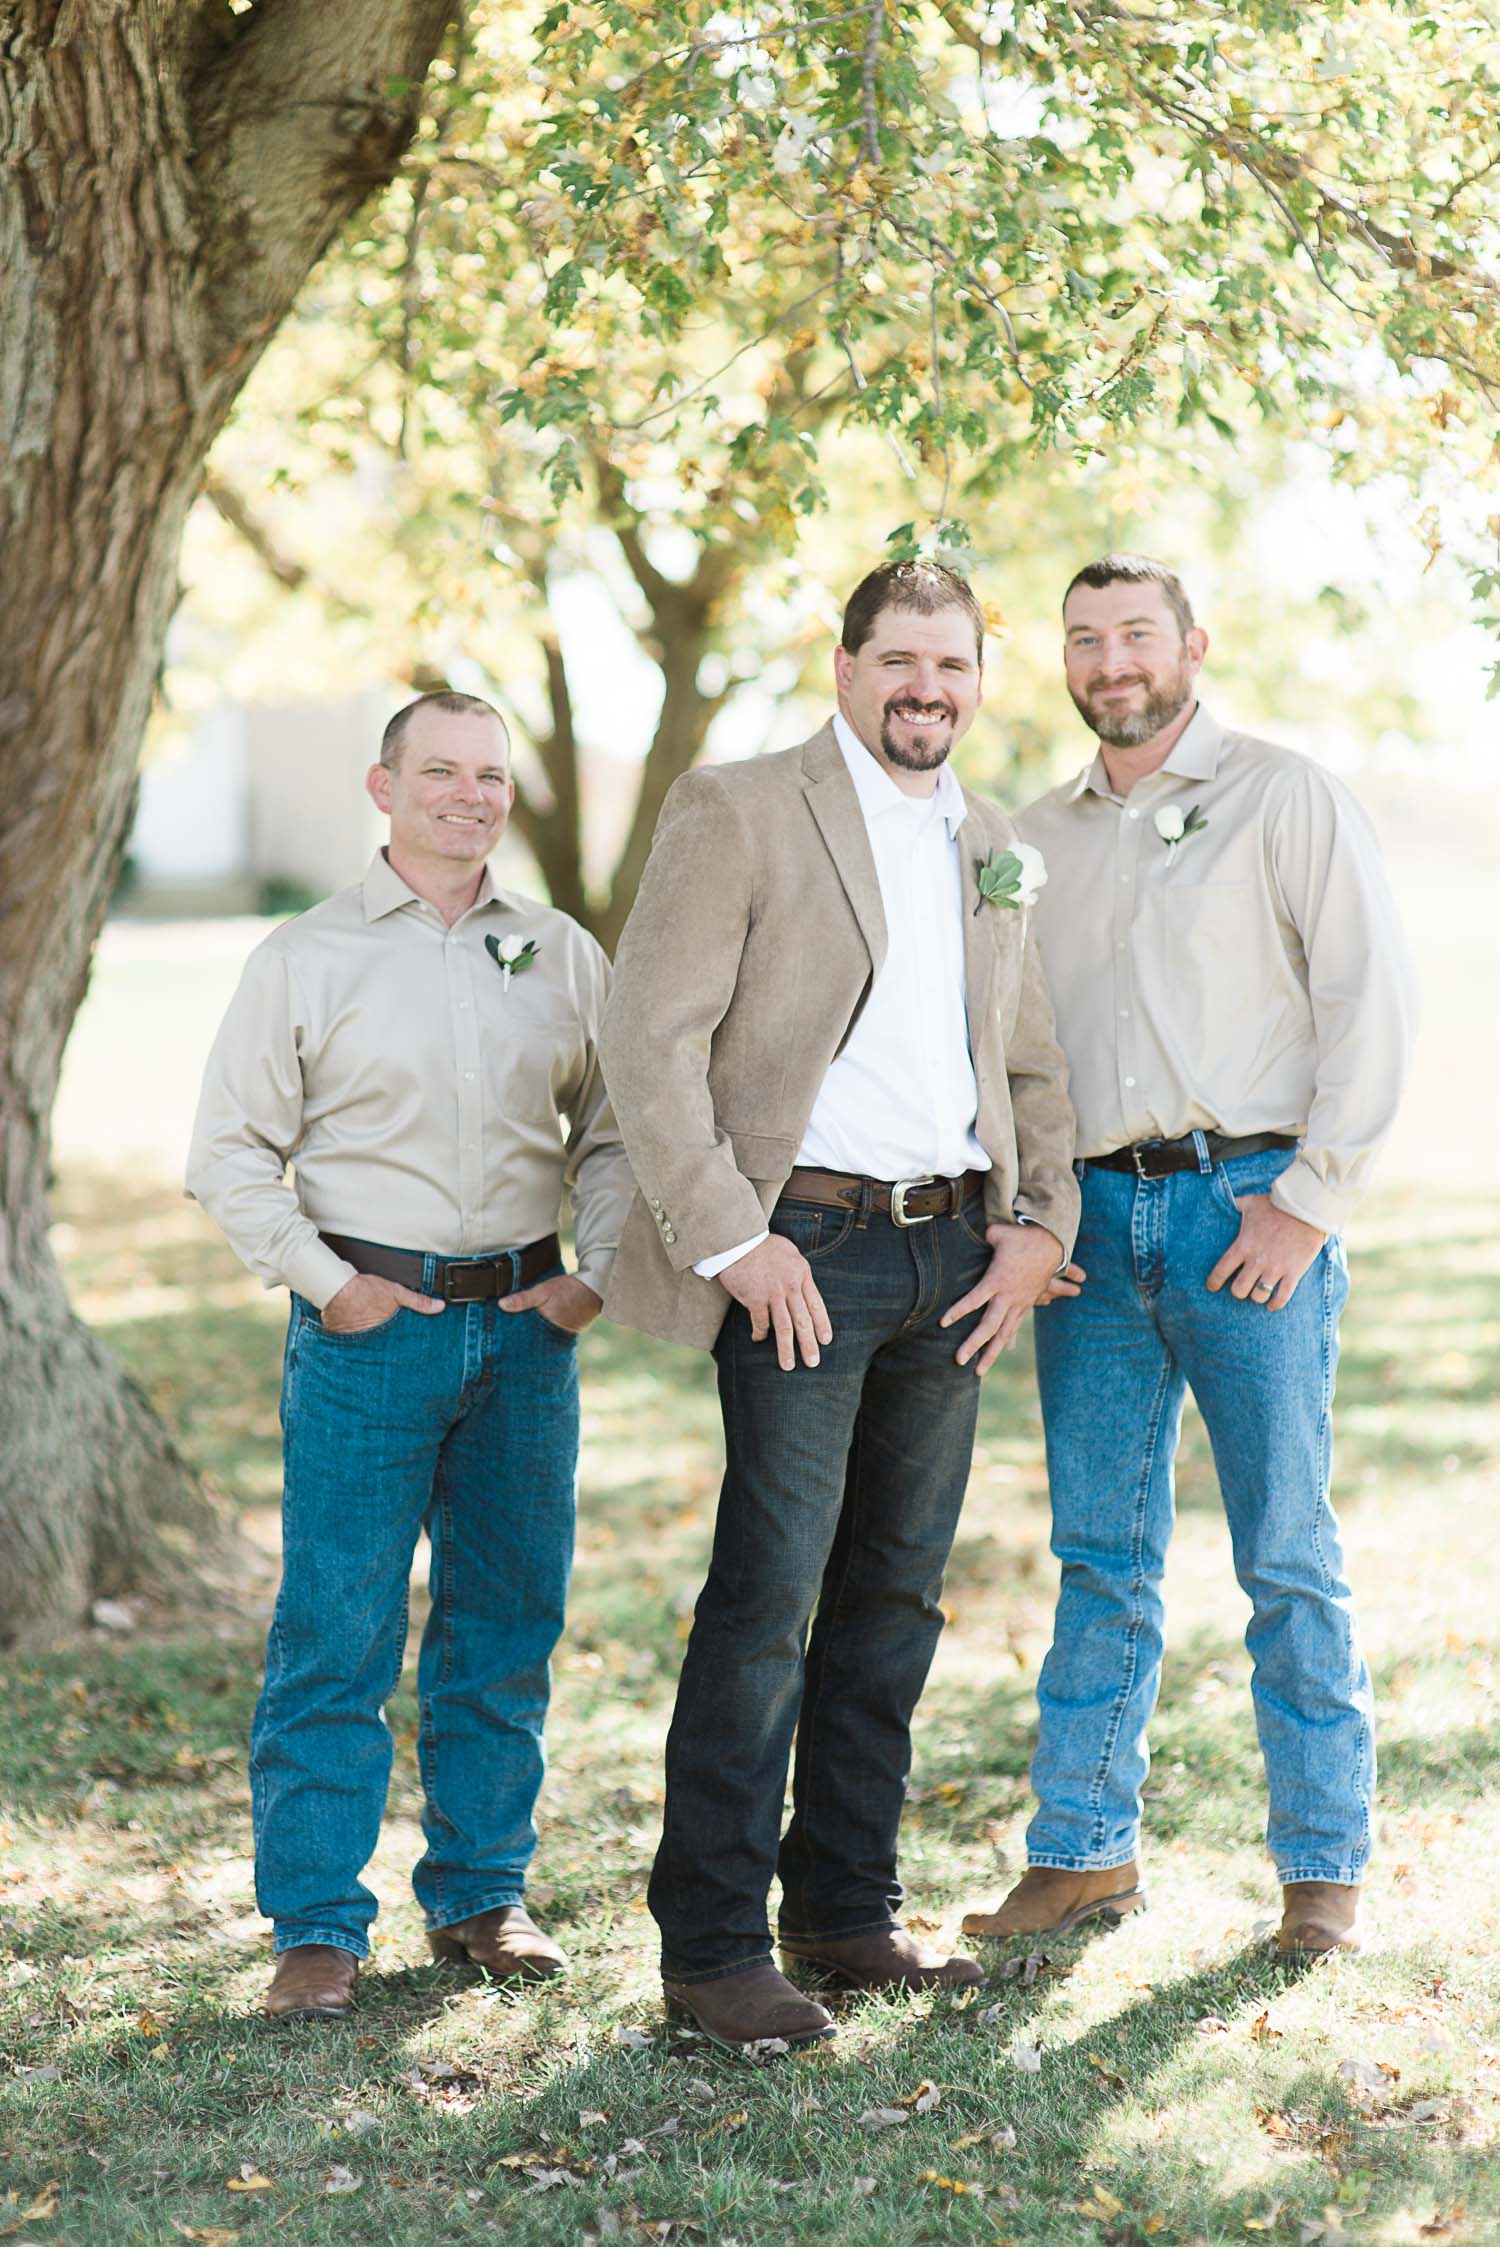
column 1188, row 2087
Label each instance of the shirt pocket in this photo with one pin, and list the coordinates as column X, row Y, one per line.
column 1211, row 937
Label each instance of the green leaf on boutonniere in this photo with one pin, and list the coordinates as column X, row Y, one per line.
column 1010, row 877
column 510, row 955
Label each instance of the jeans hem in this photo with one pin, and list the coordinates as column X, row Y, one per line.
column 715, row 1973
column 472, row 1911
column 335, row 1941
column 836, row 1934
column 1055, row 1863
column 1337, row 1876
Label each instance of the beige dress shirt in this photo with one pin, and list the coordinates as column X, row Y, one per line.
column 418, row 1097
column 1251, row 977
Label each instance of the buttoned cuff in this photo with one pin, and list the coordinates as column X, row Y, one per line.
column 1301, row 1193
column 317, row 1272
column 712, row 1266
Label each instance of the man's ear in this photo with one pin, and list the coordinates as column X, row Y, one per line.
column 1196, row 644
column 378, row 787
column 843, row 668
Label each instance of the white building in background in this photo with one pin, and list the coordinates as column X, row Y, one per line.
column 261, row 802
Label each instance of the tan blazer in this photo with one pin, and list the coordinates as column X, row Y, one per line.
column 741, row 971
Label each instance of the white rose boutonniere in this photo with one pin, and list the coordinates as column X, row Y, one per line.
column 513, row 955
column 1173, row 828
column 1010, row 877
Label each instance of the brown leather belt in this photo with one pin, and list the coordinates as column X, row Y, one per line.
column 1163, row 1158
column 910, row 1201
column 458, row 1279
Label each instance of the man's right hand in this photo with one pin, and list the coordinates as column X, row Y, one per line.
column 775, row 1284
column 368, row 1300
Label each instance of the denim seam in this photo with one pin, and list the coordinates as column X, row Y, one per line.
column 807, row 1747
column 1138, row 1617
column 1050, row 1861
column 486, row 1903
column 835, row 1934
column 333, row 1941
column 719, row 1974
column 1337, row 1876
column 426, row 1729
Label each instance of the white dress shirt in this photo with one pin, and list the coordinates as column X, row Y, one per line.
column 900, row 1100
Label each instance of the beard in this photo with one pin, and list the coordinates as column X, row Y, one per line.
column 924, row 754
column 1127, row 729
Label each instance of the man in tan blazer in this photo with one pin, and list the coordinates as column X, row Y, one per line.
column 831, row 1055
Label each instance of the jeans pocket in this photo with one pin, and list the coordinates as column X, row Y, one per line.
column 313, row 1324
column 816, row 1231
column 972, row 1219
column 563, row 1334
column 1244, row 1175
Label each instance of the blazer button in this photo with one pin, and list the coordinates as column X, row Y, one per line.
column 656, row 1205
column 668, row 1234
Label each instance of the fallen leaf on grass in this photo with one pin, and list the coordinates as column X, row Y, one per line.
column 767, row 2047
column 341, row 2180
column 1261, row 2031
column 1116, row 2081
column 1443, row 2227
column 883, row 2118
column 632, row 2040
column 546, row 2180
column 51, row 2073
column 1152, row 2226
column 1103, row 2204
column 249, row 2179
column 1026, row 2057
column 1001, row 2140
column 589, row 2121
column 862, row 2187
column 925, row 2097
column 41, row 2210
column 946, row 2184
column 148, row 2026
column 1367, row 2079
column 207, row 2235
column 735, row 2121
column 1211, row 2024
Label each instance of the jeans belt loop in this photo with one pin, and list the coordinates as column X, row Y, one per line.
column 866, row 1203
column 1205, row 1159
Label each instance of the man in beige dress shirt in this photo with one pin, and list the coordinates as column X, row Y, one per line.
column 832, row 1057
column 412, row 1048
column 1234, row 998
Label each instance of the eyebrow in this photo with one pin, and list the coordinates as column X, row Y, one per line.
column 1071, row 628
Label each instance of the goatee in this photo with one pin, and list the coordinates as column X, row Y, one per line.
column 1127, row 729
column 922, row 756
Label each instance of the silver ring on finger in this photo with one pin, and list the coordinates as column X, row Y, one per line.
column 1263, row 1287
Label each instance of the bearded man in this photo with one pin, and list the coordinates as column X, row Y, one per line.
column 830, row 1052
column 1235, row 1002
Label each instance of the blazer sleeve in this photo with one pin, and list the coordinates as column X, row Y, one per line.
column 1047, row 1189
column 675, row 974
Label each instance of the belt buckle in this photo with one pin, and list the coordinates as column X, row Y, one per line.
column 462, row 1267
column 1140, row 1148
column 899, row 1192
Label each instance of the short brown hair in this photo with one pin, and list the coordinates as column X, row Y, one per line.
column 924, row 587
column 451, row 704
column 1138, row 569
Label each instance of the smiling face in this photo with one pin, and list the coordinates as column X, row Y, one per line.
column 1130, row 668
column 911, row 691
column 448, row 794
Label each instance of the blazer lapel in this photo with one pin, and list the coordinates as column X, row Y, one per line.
column 979, row 940
column 835, row 807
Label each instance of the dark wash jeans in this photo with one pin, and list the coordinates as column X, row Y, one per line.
column 842, row 1489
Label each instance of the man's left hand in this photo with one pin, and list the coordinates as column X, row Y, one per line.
column 1268, row 1256
column 564, row 1301
column 1023, row 1261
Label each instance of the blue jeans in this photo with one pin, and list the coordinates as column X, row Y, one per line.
column 842, row 1488
column 1113, row 1365
column 464, row 1422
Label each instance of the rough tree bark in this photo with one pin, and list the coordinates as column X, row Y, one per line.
column 170, row 171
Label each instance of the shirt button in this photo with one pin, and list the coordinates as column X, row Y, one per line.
column 468, row 1076
column 1135, row 815
column 463, row 1006
column 1130, row 1081
column 1120, row 946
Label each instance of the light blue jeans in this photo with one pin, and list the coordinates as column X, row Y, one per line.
column 465, row 1422
column 1113, row 1366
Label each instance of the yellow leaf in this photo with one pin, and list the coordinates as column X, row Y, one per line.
column 249, row 2180
column 1107, row 2201
column 1153, row 2225
column 44, row 2205
column 147, row 2025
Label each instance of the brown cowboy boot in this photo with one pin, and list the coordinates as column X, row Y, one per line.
column 750, row 2007
column 1318, row 1916
column 884, row 1958
column 312, row 1982
column 506, row 1942
column 1046, row 1901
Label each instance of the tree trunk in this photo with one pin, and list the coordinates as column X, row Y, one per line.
column 169, row 173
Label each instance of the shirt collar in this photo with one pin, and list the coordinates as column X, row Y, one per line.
column 1196, row 755
column 876, row 790
column 385, row 892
